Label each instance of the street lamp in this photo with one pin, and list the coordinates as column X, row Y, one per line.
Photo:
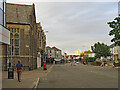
column 11, row 54
column 29, row 55
column 46, row 40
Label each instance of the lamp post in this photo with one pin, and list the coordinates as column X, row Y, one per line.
column 11, row 55
column 45, row 46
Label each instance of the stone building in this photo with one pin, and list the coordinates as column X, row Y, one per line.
column 41, row 45
column 21, row 21
column 53, row 54
column 56, row 53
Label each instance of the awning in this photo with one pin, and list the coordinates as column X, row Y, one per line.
column 57, row 59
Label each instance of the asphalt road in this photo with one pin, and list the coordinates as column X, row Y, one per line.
column 80, row 76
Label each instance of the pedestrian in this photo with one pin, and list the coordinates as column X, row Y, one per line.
column 102, row 64
column 19, row 68
column 113, row 66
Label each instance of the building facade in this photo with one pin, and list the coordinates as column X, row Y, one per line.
column 21, row 21
column 115, row 52
column 53, row 54
column 91, row 55
column 41, row 45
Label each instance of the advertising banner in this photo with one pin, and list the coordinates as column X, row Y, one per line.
column 4, row 35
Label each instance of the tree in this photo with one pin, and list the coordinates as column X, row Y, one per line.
column 101, row 50
column 87, row 52
column 115, row 25
column 82, row 54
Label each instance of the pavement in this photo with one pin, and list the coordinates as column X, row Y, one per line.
column 65, row 76
column 80, row 76
column 29, row 78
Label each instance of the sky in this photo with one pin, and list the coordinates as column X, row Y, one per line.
column 75, row 25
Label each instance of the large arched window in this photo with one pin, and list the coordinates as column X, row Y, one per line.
column 16, row 35
column 16, row 51
column 16, row 42
column 11, row 35
column 18, row 30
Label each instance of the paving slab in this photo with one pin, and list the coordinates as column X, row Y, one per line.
column 29, row 78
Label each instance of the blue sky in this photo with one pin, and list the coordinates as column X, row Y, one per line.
column 75, row 26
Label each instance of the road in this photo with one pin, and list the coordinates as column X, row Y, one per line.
column 80, row 76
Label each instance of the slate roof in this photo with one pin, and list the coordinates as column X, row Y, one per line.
column 53, row 48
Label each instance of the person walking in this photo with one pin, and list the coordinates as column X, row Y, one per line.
column 19, row 68
column 102, row 64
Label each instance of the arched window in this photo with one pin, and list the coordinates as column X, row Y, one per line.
column 18, row 30
column 15, row 30
column 12, row 30
column 16, row 42
column 16, row 51
column 11, row 35
column 16, row 35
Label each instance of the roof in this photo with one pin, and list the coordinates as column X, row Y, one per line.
column 39, row 25
column 112, row 45
column 48, row 47
column 18, row 4
column 53, row 48
column 18, row 13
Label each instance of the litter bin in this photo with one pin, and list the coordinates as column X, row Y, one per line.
column 10, row 73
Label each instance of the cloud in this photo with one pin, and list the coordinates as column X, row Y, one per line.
column 76, row 25
column 30, row 1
